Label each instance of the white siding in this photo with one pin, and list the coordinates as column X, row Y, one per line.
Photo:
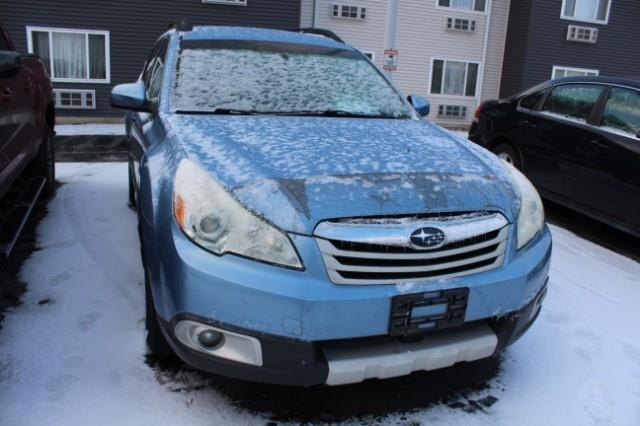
column 421, row 36
column 367, row 34
column 306, row 13
column 495, row 49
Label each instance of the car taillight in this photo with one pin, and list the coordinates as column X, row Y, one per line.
column 480, row 108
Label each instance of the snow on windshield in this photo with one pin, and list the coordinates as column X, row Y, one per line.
column 258, row 81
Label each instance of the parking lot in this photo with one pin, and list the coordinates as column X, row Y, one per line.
column 73, row 351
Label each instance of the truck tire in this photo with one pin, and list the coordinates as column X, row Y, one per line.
column 45, row 164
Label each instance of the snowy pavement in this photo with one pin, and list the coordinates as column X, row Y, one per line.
column 91, row 129
column 78, row 356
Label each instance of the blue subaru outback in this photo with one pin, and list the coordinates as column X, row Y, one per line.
column 301, row 224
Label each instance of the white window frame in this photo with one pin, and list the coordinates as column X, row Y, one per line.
column 461, row 108
column 583, row 70
column 58, row 105
column 443, row 95
column 593, row 34
column 591, row 21
column 340, row 5
column 471, row 27
column 51, row 30
column 475, row 12
column 227, row 2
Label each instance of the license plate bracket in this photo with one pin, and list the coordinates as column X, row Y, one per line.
column 423, row 312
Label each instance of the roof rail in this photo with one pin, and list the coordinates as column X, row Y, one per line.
column 182, row 24
column 319, row 31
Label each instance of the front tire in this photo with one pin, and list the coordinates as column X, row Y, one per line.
column 156, row 341
column 132, row 190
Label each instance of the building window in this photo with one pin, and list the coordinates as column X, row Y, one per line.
column 348, row 12
column 232, row 2
column 452, row 111
column 454, row 78
column 560, row 72
column 471, row 5
column 461, row 24
column 74, row 99
column 72, row 56
column 582, row 34
column 586, row 10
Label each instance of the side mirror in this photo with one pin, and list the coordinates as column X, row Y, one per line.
column 420, row 104
column 131, row 97
column 9, row 60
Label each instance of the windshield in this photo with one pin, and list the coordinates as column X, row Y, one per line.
column 280, row 80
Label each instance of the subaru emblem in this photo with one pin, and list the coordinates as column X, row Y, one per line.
column 427, row 238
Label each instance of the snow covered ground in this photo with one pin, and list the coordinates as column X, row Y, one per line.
column 90, row 129
column 78, row 356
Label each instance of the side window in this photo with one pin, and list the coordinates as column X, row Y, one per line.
column 4, row 43
column 532, row 101
column 573, row 100
column 622, row 111
column 154, row 71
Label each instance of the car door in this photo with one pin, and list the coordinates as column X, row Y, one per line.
column 549, row 136
column 609, row 180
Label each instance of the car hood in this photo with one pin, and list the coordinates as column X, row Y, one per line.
column 299, row 171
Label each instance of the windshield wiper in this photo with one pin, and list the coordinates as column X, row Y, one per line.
column 335, row 113
column 217, row 111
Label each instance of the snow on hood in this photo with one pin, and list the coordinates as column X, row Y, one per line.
column 298, row 171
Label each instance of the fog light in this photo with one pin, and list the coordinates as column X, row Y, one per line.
column 210, row 338
column 220, row 343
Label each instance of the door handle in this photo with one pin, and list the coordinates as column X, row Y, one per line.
column 6, row 95
column 598, row 144
column 527, row 124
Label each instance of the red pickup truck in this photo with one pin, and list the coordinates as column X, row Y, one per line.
column 27, row 118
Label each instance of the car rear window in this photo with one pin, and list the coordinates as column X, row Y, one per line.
column 573, row 100
column 622, row 111
column 531, row 101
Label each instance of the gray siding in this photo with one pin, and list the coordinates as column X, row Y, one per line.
column 133, row 26
column 515, row 53
column 534, row 47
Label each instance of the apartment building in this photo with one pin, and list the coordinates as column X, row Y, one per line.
column 89, row 46
column 549, row 39
column 450, row 51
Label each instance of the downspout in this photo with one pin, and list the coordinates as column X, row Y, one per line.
column 487, row 29
column 316, row 7
column 392, row 26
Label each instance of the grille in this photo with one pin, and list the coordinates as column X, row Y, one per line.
column 365, row 253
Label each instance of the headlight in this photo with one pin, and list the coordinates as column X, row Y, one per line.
column 531, row 214
column 216, row 221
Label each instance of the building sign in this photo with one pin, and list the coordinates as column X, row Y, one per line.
column 390, row 60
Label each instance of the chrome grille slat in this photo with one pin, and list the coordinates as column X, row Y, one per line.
column 328, row 248
column 368, row 263
column 332, row 263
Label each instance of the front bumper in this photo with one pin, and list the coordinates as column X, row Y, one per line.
column 296, row 315
column 299, row 363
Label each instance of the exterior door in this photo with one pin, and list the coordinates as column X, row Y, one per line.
column 609, row 182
